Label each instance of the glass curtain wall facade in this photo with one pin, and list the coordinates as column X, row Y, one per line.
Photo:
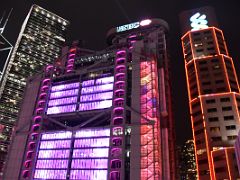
column 39, row 43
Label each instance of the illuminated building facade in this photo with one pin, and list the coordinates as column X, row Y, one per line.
column 187, row 162
column 39, row 43
column 237, row 151
column 100, row 115
column 214, row 97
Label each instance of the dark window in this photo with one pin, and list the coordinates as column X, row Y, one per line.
column 213, row 119
column 210, row 101
column 212, row 110
column 204, row 69
column 232, row 137
column 220, row 169
column 227, row 118
column 232, row 127
column 202, row 62
column 203, row 161
column 225, row 99
column 227, row 108
column 207, row 91
column 215, row 129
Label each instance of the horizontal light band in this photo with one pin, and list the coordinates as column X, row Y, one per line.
column 57, row 135
column 61, row 109
column 52, row 164
column 90, row 153
column 95, row 105
column 65, row 86
column 53, row 154
column 95, row 89
column 55, row 144
column 98, row 96
column 94, row 142
column 89, row 163
column 92, row 133
column 56, row 102
column 60, row 94
column 89, row 174
column 50, row 174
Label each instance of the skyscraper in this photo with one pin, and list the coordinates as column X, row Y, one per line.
column 100, row 115
column 213, row 92
column 187, row 163
column 39, row 43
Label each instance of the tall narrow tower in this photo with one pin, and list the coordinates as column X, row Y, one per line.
column 214, row 97
column 39, row 43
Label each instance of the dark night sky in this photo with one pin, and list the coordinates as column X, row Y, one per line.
column 91, row 19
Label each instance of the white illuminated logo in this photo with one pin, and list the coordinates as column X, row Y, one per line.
column 134, row 25
column 128, row 27
column 198, row 21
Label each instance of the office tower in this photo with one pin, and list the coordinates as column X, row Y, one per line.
column 100, row 115
column 214, row 97
column 39, row 43
column 237, row 151
column 187, row 163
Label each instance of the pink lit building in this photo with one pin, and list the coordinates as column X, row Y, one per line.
column 100, row 115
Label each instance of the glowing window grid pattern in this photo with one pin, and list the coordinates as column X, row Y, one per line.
column 63, row 98
column 89, row 155
column 96, row 94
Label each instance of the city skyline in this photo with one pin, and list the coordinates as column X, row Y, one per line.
column 92, row 27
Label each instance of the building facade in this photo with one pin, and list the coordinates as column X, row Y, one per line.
column 214, row 98
column 100, row 115
column 237, row 151
column 187, row 162
column 39, row 43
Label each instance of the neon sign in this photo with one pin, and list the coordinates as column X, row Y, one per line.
column 134, row 25
column 198, row 21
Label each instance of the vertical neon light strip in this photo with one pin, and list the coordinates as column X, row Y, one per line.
column 116, row 164
column 149, row 110
column 71, row 59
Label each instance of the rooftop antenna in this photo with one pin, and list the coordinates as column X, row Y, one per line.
column 4, row 20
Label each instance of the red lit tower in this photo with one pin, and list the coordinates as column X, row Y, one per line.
column 213, row 92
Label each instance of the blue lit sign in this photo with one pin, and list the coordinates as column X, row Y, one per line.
column 198, row 21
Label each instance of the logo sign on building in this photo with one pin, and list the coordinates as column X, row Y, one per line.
column 196, row 19
column 134, row 25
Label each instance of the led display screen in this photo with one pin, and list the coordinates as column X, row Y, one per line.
column 88, row 95
column 86, row 149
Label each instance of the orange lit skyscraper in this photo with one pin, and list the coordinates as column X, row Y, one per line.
column 213, row 92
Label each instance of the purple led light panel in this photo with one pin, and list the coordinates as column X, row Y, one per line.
column 53, row 154
column 61, row 109
column 93, row 142
column 50, row 174
column 60, row 94
column 58, row 135
column 95, row 97
column 57, row 102
column 65, row 86
column 99, row 88
column 92, row 133
column 89, row 174
column 55, row 144
column 52, row 164
column 89, row 164
column 90, row 153
column 95, row 105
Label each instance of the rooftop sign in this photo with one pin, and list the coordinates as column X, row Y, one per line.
column 134, row 25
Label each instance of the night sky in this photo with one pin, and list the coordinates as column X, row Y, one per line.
column 91, row 19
